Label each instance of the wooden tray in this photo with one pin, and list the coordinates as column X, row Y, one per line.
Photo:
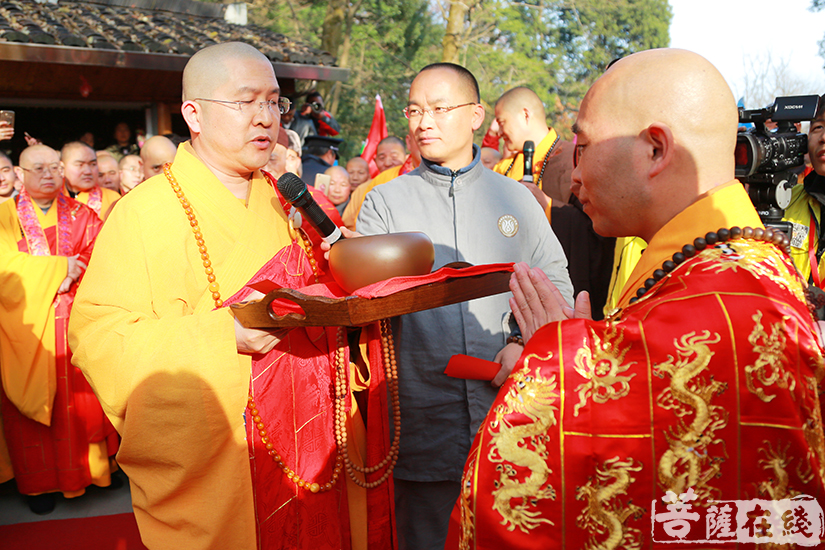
column 355, row 311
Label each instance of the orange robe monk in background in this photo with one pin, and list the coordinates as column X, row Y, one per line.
column 58, row 437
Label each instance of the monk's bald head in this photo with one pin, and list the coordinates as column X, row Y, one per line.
column 74, row 148
column 520, row 98
column 656, row 131
column 675, row 87
column 209, row 68
column 28, row 154
column 157, row 151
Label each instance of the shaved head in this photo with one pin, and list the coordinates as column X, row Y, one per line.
column 655, row 132
column 520, row 116
column 521, row 97
column 157, row 151
column 209, row 68
column 35, row 150
column 675, row 87
column 73, row 147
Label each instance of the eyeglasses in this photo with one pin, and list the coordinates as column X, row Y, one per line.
column 40, row 169
column 247, row 107
column 414, row 113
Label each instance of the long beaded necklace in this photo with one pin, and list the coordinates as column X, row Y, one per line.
column 341, row 389
column 543, row 162
column 769, row 234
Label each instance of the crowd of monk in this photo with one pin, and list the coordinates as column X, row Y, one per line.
column 694, row 369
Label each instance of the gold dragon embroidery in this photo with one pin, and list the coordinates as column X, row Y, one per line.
column 812, row 429
column 465, row 506
column 769, row 366
column 605, row 513
column 758, row 258
column 523, row 446
column 688, row 463
column 776, row 461
column 602, row 367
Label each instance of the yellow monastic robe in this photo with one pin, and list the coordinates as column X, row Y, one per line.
column 107, row 199
column 626, row 255
column 24, row 275
column 161, row 359
column 32, row 359
column 730, row 204
column 350, row 215
column 516, row 165
column 27, row 366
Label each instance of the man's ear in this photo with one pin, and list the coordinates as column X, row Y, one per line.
column 660, row 147
column 192, row 115
column 19, row 172
column 478, row 116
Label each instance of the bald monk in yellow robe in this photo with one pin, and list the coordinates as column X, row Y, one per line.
column 80, row 174
column 520, row 117
column 203, row 404
column 57, row 435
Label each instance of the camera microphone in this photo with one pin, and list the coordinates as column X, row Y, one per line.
column 295, row 191
column 529, row 149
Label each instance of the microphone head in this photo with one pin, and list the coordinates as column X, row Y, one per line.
column 291, row 186
column 529, row 147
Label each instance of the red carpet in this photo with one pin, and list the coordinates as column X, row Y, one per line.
column 118, row 532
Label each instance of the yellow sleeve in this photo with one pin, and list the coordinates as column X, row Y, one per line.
column 28, row 285
column 169, row 378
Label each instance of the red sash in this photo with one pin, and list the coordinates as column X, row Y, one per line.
column 95, row 199
column 293, row 388
column 35, row 237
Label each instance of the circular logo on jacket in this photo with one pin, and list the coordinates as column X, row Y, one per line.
column 508, row 225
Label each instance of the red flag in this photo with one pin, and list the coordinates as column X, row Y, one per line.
column 378, row 131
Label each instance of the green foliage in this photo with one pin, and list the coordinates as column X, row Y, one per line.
column 555, row 47
column 558, row 48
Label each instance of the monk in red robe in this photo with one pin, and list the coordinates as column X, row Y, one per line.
column 58, row 437
column 703, row 387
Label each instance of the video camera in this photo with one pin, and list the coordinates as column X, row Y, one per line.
column 765, row 160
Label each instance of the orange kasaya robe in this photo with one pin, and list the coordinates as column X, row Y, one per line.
column 57, row 434
column 98, row 199
column 710, row 381
column 164, row 362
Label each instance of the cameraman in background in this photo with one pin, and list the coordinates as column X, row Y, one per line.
column 805, row 213
column 325, row 123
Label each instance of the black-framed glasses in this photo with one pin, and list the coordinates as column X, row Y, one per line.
column 414, row 113
column 247, row 107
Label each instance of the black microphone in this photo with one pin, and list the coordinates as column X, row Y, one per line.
column 529, row 149
column 295, row 191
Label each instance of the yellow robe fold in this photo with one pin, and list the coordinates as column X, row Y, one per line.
column 27, row 343
column 144, row 332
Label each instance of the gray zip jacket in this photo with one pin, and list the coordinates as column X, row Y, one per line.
column 472, row 215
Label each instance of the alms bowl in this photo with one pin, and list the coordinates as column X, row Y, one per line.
column 356, row 263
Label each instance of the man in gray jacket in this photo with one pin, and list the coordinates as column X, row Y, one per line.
column 474, row 215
